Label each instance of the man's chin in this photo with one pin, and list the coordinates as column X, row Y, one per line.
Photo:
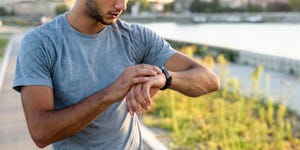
column 108, row 22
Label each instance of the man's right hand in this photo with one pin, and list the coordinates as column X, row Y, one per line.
column 140, row 95
column 131, row 76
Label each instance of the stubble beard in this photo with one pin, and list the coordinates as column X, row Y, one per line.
column 91, row 10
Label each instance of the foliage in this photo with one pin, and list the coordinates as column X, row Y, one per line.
column 18, row 21
column 255, row 76
column 129, row 5
column 4, row 11
column 254, row 8
column 202, row 6
column 272, row 7
column 61, row 8
column 144, row 5
column 202, row 50
column 225, row 119
column 214, row 6
column 295, row 5
column 169, row 7
column 3, row 43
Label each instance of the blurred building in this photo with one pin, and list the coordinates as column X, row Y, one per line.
column 31, row 7
column 233, row 3
column 261, row 2
column 182, row 5
column 158, row 5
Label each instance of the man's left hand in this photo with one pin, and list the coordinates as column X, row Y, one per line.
column 140, row 95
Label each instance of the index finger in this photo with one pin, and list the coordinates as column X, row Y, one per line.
column 149, row 67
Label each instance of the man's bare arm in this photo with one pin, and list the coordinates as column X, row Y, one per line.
column 188, row 77
column 47, row 125
column 191, row 78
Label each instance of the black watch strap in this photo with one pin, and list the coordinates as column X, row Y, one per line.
column 168, row 78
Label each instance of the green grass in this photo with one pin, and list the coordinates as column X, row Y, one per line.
column 225, row 120
column 3, row 43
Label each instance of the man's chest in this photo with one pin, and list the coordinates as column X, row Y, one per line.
column 80, row 72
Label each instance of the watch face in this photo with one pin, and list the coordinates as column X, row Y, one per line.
column 168, row 78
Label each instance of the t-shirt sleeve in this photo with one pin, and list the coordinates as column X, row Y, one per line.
column 33, row 66
column 155, row 49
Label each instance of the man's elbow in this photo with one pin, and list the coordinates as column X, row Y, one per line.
column 39, row 140
column 40, row 144
column 215, row 83
column 211, row 85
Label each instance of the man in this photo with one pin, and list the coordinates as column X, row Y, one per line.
column 75, row 72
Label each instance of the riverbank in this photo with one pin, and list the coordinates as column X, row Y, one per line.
column 275, row 46
column 266, row 17
column 236, row 17
column 277, row 80
column 232, row 118
column 281, row 87
column 273, row 62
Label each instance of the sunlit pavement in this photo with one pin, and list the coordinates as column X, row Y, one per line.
column 13, row 131
column 281, row 87
column 13, row 29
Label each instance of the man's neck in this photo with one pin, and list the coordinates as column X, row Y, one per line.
column 83, row 23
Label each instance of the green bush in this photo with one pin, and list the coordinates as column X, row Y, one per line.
column 61, row 8
column 3, row 43
column 203, row 50
column 226, row 119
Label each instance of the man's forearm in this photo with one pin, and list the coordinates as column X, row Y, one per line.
column 54, row 125
column 195, row 81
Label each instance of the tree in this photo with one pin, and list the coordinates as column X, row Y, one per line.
column 254, row 8
column 169, row 7
column 5, row 12
column 282, row 7
column 200, row 6
column 295, row 5
column 129, row 5
column 145, row 5
column 61, row 8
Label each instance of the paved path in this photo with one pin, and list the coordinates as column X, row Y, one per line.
column 13, row 131
column 283, row 88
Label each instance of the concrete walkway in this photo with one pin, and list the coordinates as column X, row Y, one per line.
column 13, row 130
column 281, row 87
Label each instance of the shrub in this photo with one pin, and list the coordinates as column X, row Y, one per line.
column 61, row 8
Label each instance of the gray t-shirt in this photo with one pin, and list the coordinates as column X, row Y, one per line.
column 76, row 65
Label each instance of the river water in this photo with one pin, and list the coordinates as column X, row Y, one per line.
column 272, row 39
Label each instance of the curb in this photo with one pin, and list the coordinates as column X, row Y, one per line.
column 150, row 139
column 5, row 60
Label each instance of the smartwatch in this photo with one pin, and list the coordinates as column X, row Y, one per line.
column 168, row 78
